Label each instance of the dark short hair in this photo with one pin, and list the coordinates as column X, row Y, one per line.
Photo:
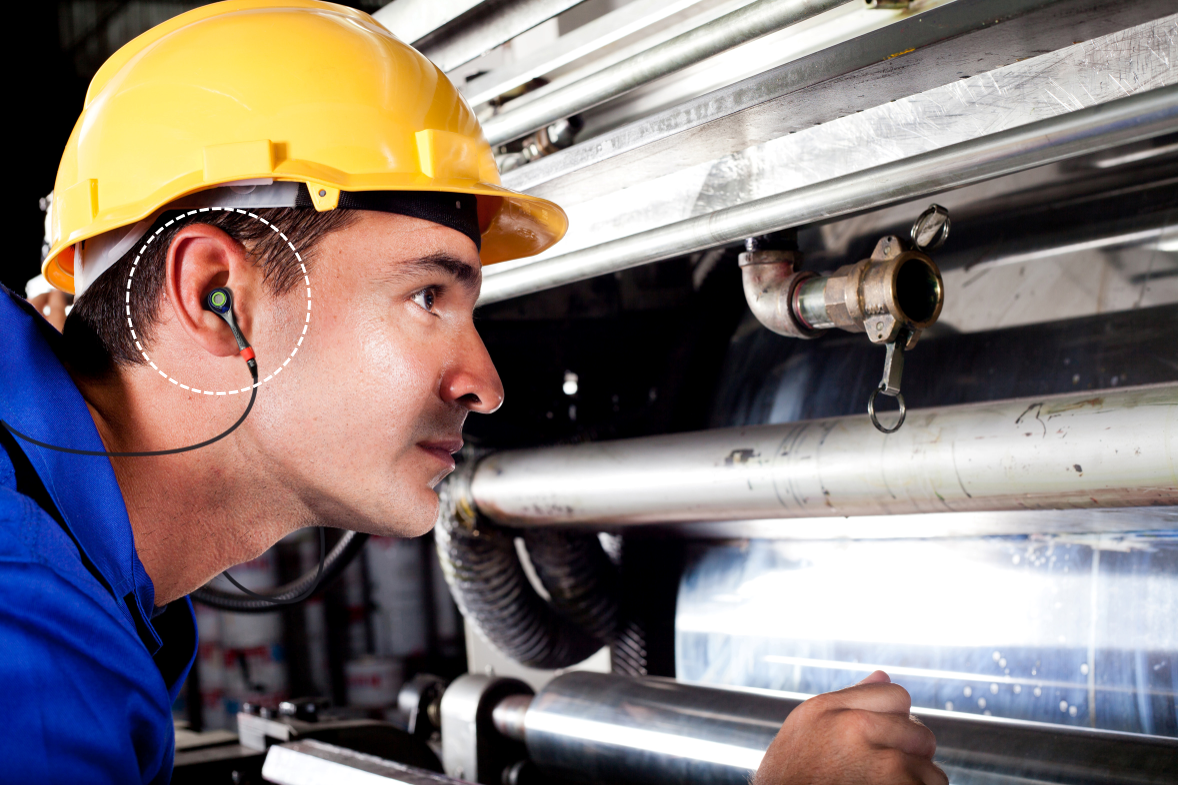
column 97, row 336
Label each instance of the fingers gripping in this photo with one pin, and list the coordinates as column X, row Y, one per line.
column 926, row 772
column 883, row 697
column 897, row 731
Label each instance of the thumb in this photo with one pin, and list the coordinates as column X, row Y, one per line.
column 877, row 677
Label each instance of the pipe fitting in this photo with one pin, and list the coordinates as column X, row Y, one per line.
column 770, row 287
column 897, row 288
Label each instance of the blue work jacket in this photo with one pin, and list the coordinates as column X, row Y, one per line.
column 89, row 667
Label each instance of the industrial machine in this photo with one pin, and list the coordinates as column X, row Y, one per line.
column 861, row 353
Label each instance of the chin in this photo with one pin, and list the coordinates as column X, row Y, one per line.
column 411, row 515
column 422, row 521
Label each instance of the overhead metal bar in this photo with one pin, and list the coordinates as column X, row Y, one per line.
column 738, row 27
column 574, row 45
column 1089, row 450
column 412, row 20
column 1094, row 72
column 469, row 29
column 1076, row 133
column 931, row 49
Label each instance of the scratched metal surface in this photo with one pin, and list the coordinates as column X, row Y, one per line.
column 1075, row 630
column 1086, row 74
column 932, row 48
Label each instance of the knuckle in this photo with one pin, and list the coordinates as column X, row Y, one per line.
column 805, row 713
column 812, row 707
column 900, row 695
column 928, row 740
column 849, row 728
column 858, row 721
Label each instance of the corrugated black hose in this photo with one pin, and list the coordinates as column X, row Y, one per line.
column 488, row 582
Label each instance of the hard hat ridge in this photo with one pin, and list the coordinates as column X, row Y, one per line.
column 456, row 211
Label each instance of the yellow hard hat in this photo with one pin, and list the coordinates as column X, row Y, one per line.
column 286, row 90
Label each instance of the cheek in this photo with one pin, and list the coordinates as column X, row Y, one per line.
column 372, row 384
column 394, row 368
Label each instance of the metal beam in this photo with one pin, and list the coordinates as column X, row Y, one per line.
column 486, row 27
column 1075, row 133
column 1097, row 449
column 570, row 47
column 931, row 49
column 412, row 20
column 314, row 762
column 738, row 27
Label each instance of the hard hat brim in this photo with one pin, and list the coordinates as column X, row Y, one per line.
column 514, row 225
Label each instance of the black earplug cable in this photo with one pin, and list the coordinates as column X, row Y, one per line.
column 297, row 598
column 150, row 453
column 220, row 302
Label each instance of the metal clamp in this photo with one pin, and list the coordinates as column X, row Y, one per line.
column 889, row 385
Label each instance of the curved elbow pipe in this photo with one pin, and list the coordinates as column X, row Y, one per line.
column 771, row 286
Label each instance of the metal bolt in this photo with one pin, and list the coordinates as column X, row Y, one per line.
column 323, row 192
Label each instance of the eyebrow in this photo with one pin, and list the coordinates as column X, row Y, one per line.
column 441, row 262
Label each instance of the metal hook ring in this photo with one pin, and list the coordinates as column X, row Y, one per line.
column 875, row 420
column 942, row 231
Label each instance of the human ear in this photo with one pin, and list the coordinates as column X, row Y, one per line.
column 200, row 259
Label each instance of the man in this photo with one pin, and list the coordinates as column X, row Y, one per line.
column 289, row 169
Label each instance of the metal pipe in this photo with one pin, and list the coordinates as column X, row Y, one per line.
column 453, row 32
column 731, row 30
column 1084, row 131
column 595, row 727
column 1092, row 449
column 413, row 20
column 508, row 716
column 590, row 38
column 592, row 727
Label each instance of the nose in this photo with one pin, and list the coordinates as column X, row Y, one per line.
column 472, row 381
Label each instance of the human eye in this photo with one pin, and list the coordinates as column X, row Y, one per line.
column 425, row 298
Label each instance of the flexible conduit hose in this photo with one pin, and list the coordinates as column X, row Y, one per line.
column 340, row 556
column 584, row 584
column 491, row 588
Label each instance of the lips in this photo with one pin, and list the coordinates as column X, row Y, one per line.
column 442, row 449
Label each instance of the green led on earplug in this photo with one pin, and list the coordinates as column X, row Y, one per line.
column 220, row 301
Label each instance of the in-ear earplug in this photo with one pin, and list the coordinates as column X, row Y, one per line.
column 220, row 302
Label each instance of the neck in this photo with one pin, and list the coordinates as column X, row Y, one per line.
column 193, row 514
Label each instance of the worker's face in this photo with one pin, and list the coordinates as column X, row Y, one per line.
column 367, row 414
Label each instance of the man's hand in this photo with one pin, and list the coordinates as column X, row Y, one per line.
column 862, row 734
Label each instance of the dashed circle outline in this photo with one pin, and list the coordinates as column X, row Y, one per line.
column 131, row 279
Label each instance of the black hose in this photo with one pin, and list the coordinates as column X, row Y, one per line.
column 488, row 582
column 627, row 654
column 350, row 544
column 582, row 583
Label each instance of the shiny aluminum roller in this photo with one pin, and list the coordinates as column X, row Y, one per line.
column 1081, row 450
